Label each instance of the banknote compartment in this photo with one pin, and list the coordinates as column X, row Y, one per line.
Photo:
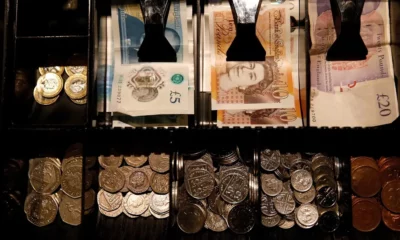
column 121, row 143
column 52, row 18
column 17, row 186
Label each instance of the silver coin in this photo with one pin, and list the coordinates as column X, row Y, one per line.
column 267, row 206
column 109, row 201
column 284, row 203
column 136, row 204
column 159, row 203
column 199, row 183
column 158, row 215
column 288, row 158
column 320, row 160
column 307, row 215
column 287, row 187
column 124, row 209
column 286, row 224
column 305, row 197
column 300, row 164
column 270, row 221
column 270, row 160
column 215, row 222
column 301, row 180
column 241, row 219
column 127, row 170
column 114, row 213
column 271, row 185
column 323, row 171
column 191, row 218
column 234, row 187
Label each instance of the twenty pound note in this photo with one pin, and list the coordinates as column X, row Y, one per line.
column 151, row 89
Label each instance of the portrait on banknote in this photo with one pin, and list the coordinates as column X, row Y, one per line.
column 278, row 116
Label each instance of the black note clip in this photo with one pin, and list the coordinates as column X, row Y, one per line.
column 349, row 46
column 245, row 46
column 155, row 47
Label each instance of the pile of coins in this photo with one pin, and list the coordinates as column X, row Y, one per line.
column 46, row 176
column 368, row 178
column 289, row 196
column 51, row 83
column 146, row 186
column 216, row 198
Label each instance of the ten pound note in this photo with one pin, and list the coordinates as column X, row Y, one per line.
column 352, row 93
column 151, row 89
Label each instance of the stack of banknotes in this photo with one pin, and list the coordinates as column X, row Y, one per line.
column 352, row 93
column 255, row 93
column 145, row 94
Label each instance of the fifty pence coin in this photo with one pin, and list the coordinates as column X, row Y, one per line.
column 41, row 210
column 270, row 160
column 271, row 185
column 136, row 160
column 112, row 179
column 160, row 183
column 70, row 210
column 241, row 219
column 191, row 218
column 301, row 180
column 159, row 162
column 138, row 181
column 270, row 221
column 44, row 176
column 49, row 85
column 71, row 181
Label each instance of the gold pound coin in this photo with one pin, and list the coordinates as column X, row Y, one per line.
column 72, row 70
column 55, row 69
column 50, row 85
column 80, row 101
column 42, row 100
column 76, row 87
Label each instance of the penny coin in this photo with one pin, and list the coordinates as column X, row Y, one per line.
column 301, row 180
column 305, row 197
column 234, row 187
column 241, row 219
column 363, row 161
column 215, row 222
column 71, row 70
column 390, row 172
column 270, row 160
column 366, row 215
column 270, row 221
column 136, row 204
column 329, row 221
column 286, row 224
column 199, row 183
column 76, row 86
column 44, row 176
column 391, row 196
column 320, row 160
column 391, row 220
column 49, row 85
column 109, row 201
column 70, row 210
column 160, row 183
column 127, row 170
column 191, row 218
column 80, row 101
column 159, row 162
column 114, row 213
column 112, row 179
column 271, row 185
column 71, row 181
column 307, row 214
column 159, row 203
column 90, row 198
column 55, row 69
column 42, row 100
column 135, row 160
column 365, row 181
column 267, row 206
column 326, row 196
column 110, row 161
column 41, row 210
column 284, row 203
column 138, row 181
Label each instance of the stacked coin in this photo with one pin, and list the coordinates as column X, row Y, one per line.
column 146, row 186
column 367, row 183
column 288, row 194
column 215, row 197
column 50, row 84
column 89, row 181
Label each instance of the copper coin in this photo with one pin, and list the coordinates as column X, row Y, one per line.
column 391, row 220
column 391, row 196
column 365, row 181
column 389, row 172
column 383, row 161
column 363, row 161
column 366, row 215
